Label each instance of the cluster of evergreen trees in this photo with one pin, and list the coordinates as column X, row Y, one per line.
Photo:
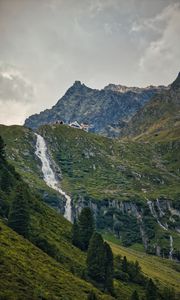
column 83, row 229
column 2, row 149
column 18, row 216
column 100, row 268
column 128, row 271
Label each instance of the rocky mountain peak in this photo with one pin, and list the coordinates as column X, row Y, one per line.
column 77, row 83
column 124, row 89
column 103, row 110
column 176, row 84
column 77, row 87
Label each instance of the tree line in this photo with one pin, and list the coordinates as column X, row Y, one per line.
column 103, row 268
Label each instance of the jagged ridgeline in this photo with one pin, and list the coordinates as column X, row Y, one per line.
column 104, row 111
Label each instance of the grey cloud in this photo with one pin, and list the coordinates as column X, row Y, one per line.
column 13, row 87
column 56, row 42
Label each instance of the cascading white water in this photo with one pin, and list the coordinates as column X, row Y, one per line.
column 159, row 208
column 49, row 175
column 171, row 247
column 154, row 214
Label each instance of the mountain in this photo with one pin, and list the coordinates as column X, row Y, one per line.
column 105, row 111
column 159, row 118
column 132, row 186
column 46, row 265
column 130, row 183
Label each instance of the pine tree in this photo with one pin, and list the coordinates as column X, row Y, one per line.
column 168, row 294
column 2, row 148
column 135, row 295
column 86, row 227
column 19, row 218
column 92, row 296
column 75, row 234
column 124, row 264
column 137, row 267
column 109, row 268
column 151, row 290
column 96, row 259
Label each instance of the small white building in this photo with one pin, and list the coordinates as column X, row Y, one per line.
column 75, row 125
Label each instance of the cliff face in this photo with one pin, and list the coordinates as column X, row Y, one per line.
column 104, row 110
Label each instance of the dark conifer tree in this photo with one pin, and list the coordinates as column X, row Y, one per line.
column 124, row 265
column 86, row 227
column 19, row 218
column 2, row 148
column 151, row 290
column 109, row 268
column 75, row 234
column 92, row 296
column 168, row 294
column 96, row 258
column 135, row 295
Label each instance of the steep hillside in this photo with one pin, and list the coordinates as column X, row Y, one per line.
column 165, row 272
column 132, row 186
column 28, row 273
column 20, row 150
column 104, row 110
column 159, row 119
column 54, row 238
column 47, row 266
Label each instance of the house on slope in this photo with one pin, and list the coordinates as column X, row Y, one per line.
column 75, row 125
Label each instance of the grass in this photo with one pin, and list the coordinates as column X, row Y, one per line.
column 162, row 271
column 105, row 168
column 96, row 168
column 28, row 273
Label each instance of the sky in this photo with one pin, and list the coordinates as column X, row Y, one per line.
column 48, row 44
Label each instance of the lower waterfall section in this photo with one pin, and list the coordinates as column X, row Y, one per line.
column 49, row 175
column 171, row 247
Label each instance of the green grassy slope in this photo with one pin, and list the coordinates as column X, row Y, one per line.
column 47, row 226
column 105, row 168
column 20, row 151
column 28, row 273
column 96, row 166
column 162, row 271
column 159, row 119
column 100, row 169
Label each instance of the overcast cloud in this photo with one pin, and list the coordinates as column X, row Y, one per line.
column 48, row 44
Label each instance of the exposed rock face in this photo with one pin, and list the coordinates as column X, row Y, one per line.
column 116, row 211
column 104, row 110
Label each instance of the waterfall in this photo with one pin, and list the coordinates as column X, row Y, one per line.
column 171, row 247
column 154, row 214
column 159, row 207
column 49, row 175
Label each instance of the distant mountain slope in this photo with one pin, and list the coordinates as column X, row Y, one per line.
column 29, row 273
column 104, row 110
column 116, row 178
column 159, row 118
